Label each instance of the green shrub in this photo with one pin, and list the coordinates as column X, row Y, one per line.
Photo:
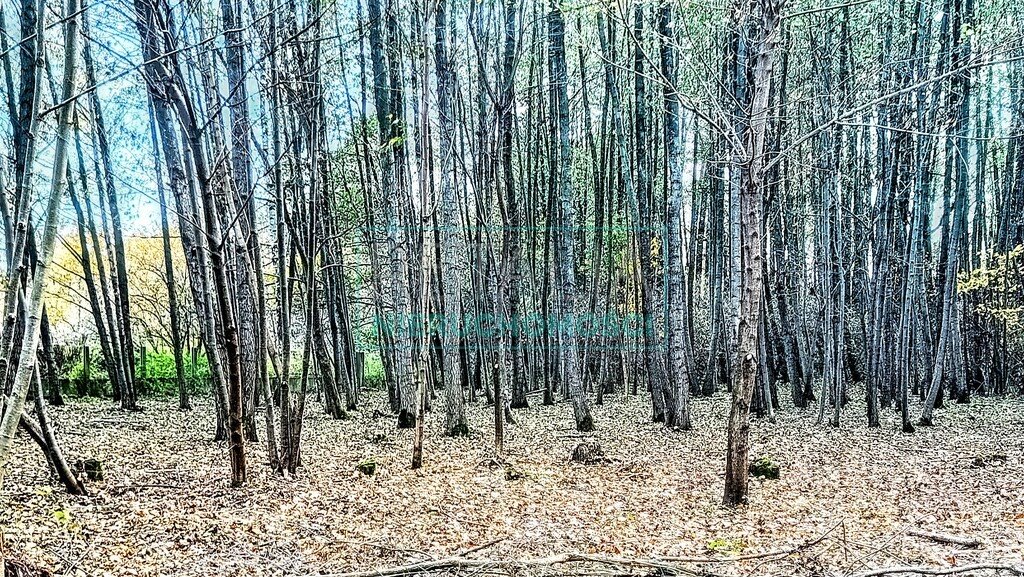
column 373, row 371
column 367, row 467
column 764, row 467
column 97, row 371
column 158, row 377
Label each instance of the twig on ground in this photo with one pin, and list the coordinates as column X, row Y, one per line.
column 509, row 567
column 665, row 565
column 777, row 553
column 472, row 550
column 871, row 549
column 398, row 550
column 118, row 489
column 946, row 538
column 942, row 570
column 846, row 546
column 882, row 548
column 74, row 565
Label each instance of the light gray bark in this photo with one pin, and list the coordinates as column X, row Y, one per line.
column 15, row 404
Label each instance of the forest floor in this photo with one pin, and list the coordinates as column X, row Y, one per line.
column 164, row 507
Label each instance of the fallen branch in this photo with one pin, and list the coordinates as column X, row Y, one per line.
column 777, row 553
column 941, row 571
column 479, row 548
column 509, row 567
column 946, row 538
column 662, row 565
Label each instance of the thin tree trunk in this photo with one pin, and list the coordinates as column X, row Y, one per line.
column 764, row 30
column 678, row 339
column 12, row 411
column 566, row 260
column 172, row 290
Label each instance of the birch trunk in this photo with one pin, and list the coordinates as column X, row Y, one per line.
column 15, row 403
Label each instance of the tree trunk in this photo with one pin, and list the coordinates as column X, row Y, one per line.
column 565, row 256
column 678, row 338
column 12, row 411
column 763, row 29
column 172, row 290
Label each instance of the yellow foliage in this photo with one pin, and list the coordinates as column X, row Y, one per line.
column 1001, row 282
column 67, row 298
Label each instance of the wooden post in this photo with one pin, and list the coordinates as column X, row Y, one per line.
column 421, row 401
column 360, row 376
column 86, row 371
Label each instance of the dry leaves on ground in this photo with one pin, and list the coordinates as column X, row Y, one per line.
column 165, row 507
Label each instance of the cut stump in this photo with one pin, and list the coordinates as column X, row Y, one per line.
column 588, row 454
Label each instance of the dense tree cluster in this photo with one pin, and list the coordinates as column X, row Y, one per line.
column 528, row 201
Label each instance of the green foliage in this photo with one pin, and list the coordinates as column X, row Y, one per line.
column 158, row 377
column 160, row 365
column 764, row 467
column 66, row 522
column 96, row 371
column 367, row 467
column 373, row 371
column 726, row 546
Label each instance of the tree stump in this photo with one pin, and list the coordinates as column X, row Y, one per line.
column 91, row 468
column 588, row 454
column 513, row 474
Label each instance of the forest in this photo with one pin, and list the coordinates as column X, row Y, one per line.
column 380, row 288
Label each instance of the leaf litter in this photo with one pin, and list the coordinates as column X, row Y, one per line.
column 164, row 507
